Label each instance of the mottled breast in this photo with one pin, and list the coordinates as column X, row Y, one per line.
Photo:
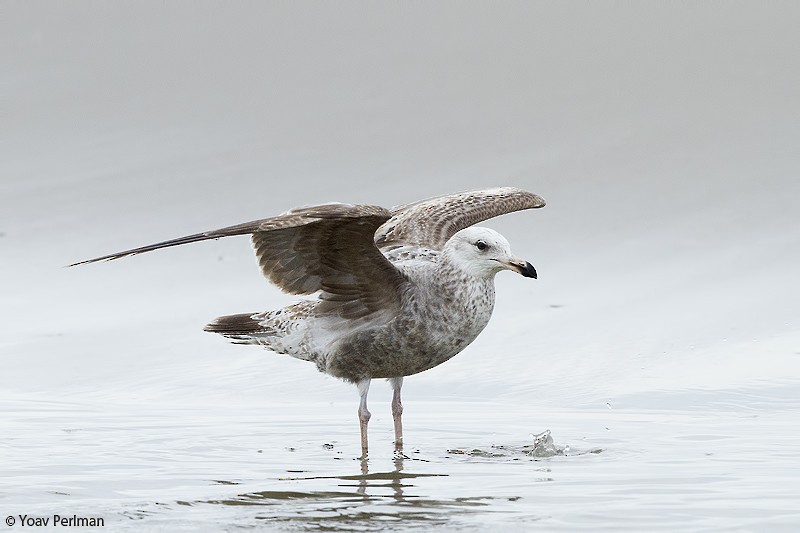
column 441, row 315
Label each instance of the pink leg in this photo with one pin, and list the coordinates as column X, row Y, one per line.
column 363, row 415
column 397, row 412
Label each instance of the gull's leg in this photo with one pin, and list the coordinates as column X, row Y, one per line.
column 363, row 414
column 397, row 412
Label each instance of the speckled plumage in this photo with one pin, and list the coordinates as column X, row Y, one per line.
column 399, row 291
column 442, row 311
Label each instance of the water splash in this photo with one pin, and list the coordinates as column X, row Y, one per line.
column 542, row 446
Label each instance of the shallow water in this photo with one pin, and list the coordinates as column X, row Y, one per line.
column 465, row 465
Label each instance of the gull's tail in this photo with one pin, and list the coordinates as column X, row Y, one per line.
column 281, row 331
column 238, row 327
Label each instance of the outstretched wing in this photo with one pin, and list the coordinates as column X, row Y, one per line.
column 430, row 223
column 328, row 248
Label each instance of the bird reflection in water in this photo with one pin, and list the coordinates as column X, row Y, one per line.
column 339, row 507
column 394, row 477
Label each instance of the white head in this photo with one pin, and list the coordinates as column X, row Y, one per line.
column 482, row 252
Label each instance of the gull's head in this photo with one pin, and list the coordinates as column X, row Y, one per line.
column 482, row 252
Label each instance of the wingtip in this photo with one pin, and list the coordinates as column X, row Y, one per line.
column 103, row 259
column 536, row 201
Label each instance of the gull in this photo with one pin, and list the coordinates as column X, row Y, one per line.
column 398, row 291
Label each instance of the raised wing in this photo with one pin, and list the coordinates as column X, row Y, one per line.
column 328, row 248
column 430, row 223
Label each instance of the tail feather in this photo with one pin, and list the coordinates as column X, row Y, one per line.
column 243, row 324
column 280, row 330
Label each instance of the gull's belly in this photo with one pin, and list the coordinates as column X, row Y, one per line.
column 405, row 345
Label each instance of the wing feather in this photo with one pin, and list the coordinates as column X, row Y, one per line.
column 430, row 223
column 328, row 248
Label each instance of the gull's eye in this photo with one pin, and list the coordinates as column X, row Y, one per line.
column 481, row 245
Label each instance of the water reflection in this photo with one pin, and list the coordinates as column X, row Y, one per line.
column 353, row 500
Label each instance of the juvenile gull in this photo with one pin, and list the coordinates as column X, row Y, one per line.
column 399, row 291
